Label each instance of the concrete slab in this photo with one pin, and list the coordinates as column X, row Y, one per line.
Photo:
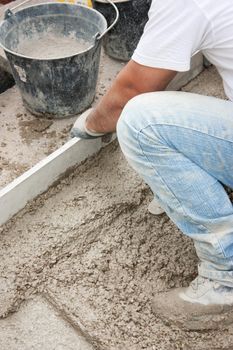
column 209, row 83
column 197, row 66
column 37, row 325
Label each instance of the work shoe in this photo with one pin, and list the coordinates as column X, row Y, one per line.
column 154, row 208
column 204, row 305
column 79, row 129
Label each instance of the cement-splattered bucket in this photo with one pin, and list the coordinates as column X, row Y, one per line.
column 121, row 41
column 58, row 86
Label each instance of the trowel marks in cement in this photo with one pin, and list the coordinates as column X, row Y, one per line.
column 51, row 46
column 91, row 246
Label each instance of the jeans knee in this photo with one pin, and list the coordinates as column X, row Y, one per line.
column 129, row 113
column 144, row 109
column 127, row 124
column 147, row 117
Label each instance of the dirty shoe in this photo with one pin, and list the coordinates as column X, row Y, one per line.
column 205, row 304
column 79, row 129
column 154, row 208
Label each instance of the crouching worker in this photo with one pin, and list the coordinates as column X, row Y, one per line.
column 181, row 144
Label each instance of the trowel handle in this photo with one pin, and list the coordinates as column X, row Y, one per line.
column 100, row 36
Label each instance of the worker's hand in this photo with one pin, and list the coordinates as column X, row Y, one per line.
column 80, row 128
column 98, row 121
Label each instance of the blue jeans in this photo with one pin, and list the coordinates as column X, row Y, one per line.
column 181, row 144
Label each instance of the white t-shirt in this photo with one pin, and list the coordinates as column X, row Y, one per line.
column 177, row 29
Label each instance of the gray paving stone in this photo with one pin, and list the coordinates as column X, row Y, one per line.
column 37, row 326
column 181, row 79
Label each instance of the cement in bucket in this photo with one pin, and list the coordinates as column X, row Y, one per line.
column 54, row 53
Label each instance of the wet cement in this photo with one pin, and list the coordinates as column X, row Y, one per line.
column 50, row 46
column 90, row 245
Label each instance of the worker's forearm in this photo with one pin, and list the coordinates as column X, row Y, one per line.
column 133, row 80
column 105, row 116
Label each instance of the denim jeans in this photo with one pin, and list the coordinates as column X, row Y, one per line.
column 181, row 144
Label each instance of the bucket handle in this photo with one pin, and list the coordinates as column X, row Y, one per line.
column 9, row 13
column 99, row 36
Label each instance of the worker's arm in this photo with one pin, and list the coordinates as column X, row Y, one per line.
column 133, row 80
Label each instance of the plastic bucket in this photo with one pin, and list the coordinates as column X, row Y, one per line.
column 122, row 40
column 63, row 85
